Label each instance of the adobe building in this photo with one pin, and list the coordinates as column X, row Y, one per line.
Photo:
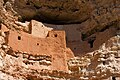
column 42, row 42
column 53, row 41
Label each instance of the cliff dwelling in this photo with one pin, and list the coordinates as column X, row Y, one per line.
column 59, row 39
column 72, row 37
column 50, row 42
column 58, row 42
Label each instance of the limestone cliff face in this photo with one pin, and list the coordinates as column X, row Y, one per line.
column 94, row 18
column 68, row 11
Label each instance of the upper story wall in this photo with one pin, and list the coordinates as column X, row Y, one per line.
column 72, row 32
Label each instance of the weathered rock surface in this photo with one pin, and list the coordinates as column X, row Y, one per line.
column 93, row 16
column 100, row 64
column 54, row 11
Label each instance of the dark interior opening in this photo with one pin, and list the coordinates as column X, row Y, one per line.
column 19, row 37
column 113, row 78
column 55, row 35
column 103, row 62
column 75, row 48
column 28, row 3
column 0, row 27
column 91, row 42
column 37, row 43
column 29, row 79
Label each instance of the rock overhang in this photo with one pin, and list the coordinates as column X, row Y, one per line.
column 56, row 12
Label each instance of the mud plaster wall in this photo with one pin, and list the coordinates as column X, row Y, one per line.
column 74, row 38
column 53, row 45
